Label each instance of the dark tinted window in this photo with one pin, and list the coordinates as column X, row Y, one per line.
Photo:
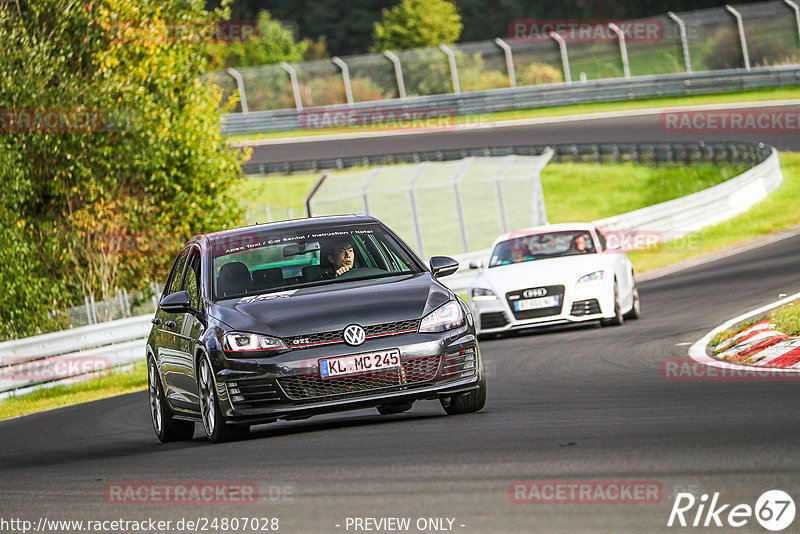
column 174, row 282
column 191, row 279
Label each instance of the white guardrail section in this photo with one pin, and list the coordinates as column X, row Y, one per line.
column 82, row 353
column 672, row 219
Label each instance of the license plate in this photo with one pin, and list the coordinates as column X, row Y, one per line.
column 537, row 303
column 381, row 360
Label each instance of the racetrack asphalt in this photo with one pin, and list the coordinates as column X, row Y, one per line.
column 599, row 129
column 585, row 403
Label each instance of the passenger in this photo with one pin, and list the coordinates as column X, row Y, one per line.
column 581, row 245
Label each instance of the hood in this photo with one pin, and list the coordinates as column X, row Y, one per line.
column 564, row 271
column 333, row 306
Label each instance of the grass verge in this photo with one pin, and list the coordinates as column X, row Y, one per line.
column 116, row 383
column 781, row 93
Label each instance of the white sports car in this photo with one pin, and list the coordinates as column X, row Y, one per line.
column 558, row 273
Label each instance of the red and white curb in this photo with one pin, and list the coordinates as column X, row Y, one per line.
column 758, row 346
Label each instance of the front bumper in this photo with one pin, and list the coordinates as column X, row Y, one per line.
column 580, row 305
column 289, row 386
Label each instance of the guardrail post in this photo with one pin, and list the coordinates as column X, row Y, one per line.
column 451, row 57
column 398, row 72
column 512, row 77
column 307, row 200
column 742, row 38
column 348, row 90
column 562, row 46
column 298, row 101
column 623, row 49
column 240, row 84
column 796, row 9
column 687, row 62
column 412, row 198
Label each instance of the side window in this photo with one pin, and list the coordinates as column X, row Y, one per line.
column 191, row 280
column 174, row 282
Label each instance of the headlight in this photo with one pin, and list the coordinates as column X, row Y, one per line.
column 589, row 278
column 244, row 342
column 478, row 293
column 443, row 318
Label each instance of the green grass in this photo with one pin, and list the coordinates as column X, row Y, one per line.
column 778, row 211
column 578, row 109
column 116, row 383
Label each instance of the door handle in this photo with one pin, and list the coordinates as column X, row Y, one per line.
column 156, row 321
column 170, row 324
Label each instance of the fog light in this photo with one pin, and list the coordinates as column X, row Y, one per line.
column 467, row 373
column 469, row 365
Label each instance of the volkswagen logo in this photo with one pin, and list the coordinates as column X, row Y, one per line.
column 354, row 335
column 531, row 293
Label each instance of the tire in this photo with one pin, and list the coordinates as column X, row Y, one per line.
column 167, row 429
column 214, row 424
column 618, row 318
column 472, row 401
column 391, row 409
column 636, row 310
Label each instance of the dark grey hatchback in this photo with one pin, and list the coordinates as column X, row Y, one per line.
column 292, row 319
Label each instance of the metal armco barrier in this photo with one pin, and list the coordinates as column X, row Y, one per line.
column 535, row 96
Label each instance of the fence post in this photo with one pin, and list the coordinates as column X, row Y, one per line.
column 298, row 101
column 623, row 49
column 796, row 9
column 90, row 313
column 398, row 72
column 562, row 46
column 451, row 57
column 742, row 38
column 307, row 200
column 371, row 178
column 124, row 304
column 512, row 77
column 501, row 204
column 348, row 90
column 462, row 218
column 240, row 85
column 687, row 62
column 412, row 197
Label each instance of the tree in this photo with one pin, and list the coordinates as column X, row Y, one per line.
column 107, row 129
column 270, row 44
column 416, row 24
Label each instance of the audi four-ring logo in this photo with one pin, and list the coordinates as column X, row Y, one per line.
column 354, row 335
column 531, row 293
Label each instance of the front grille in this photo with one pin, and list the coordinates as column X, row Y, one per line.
column 460, row 364
column 556, row 291
column 493, row 320
column 252, row 392
column 585, row 307
column 413, row 371
column 337, row 336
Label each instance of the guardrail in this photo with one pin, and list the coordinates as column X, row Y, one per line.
column 535, row 96
column 70, row 355
column 81, row 353
column 674, row 218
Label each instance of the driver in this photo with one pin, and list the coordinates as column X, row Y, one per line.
column 341, row 256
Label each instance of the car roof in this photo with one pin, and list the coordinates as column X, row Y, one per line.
column 557, row 227
column 293, row 224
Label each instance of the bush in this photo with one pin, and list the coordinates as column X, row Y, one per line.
column 538, row 74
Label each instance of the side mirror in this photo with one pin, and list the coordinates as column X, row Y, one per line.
column 476, row 264
column 178, row 302
column 443, row 266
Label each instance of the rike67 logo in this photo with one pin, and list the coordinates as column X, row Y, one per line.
column 774, row 510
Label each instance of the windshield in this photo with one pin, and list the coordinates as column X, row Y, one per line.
column 542, row 246
column 268, row 262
